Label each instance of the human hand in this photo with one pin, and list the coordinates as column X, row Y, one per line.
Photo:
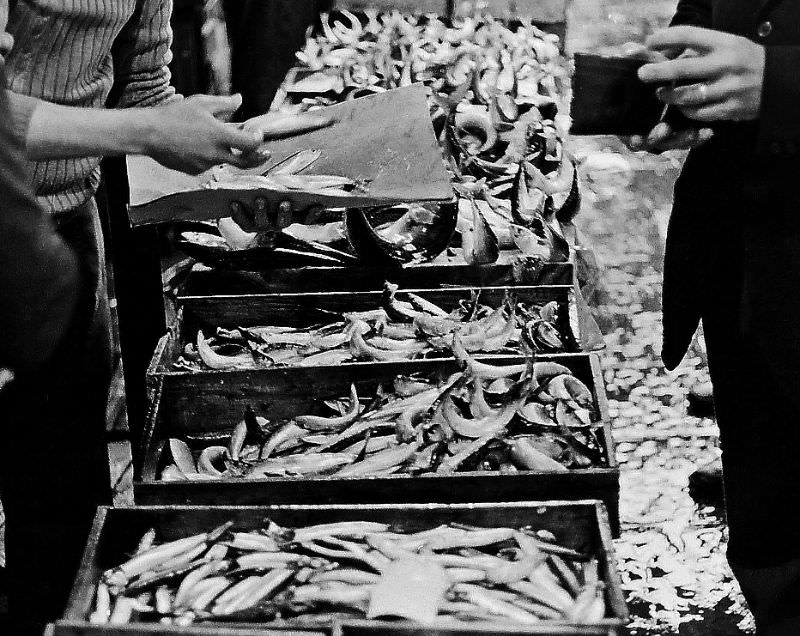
column 261, row 216
column 188, row 136
column 278, row 126
column 721, row 79
column 664, row 137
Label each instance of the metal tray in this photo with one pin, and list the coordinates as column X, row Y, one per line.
column 181, row 405
column 579, row 525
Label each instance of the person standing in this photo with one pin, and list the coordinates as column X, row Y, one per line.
column 733, row 260
column 85, row 79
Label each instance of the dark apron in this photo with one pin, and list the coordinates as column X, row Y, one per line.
column 53, row 459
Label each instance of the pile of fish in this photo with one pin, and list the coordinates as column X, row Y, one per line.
column 353, row 569
column 534, row 416
column 494, row 95
column 287, row 175
column 397, row 330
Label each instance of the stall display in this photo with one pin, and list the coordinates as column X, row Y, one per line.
column 494, row 568
column 403, row 326
column 487, row 418
column 225, row 333
column 493, row 93
column 444, row 359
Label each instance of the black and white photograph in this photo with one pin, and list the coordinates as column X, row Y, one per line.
column 399, row 317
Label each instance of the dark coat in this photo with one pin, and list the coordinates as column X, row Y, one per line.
column 735, row 226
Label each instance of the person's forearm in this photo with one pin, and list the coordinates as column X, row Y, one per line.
column 63, row 132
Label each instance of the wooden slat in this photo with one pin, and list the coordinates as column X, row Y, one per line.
column 415, row 7
column 543, row 11
column 82, row 628
column 302, row 309
column 320, row 279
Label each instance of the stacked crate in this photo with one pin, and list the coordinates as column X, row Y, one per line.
column 206, row 402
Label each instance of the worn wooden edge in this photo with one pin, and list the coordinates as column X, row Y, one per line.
column 544, row 11
column 81, row 597
column 596, row 476
column 604, row 627
column 82, row 628
column 599, row 383
column 573, row 319
column 614, row 587
column 159, row 354
column 213, row 282
column 445, row 292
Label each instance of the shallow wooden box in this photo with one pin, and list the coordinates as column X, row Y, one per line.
column 304, row 309
column 580, row 525
column 181, row 405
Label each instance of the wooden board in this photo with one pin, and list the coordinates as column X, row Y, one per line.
column 543, row 11
column 207, row 282
column 180, row 407
column 387, row 138
column 303, row 309
column 581, row 526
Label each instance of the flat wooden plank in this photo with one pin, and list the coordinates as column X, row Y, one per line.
column 545, row 11
column 386, row 138
column 82, row 628
column 206, row 282
column 303, row 309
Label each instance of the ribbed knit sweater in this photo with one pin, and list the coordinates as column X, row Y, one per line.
column 74, row 52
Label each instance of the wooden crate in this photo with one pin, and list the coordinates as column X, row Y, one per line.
column 180, row 407
column 581, row 525
column 304, row 309
column 214, row 282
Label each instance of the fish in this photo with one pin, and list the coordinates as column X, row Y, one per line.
column 530, row 243
column 479, row 242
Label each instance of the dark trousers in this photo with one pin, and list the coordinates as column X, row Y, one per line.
column 760, row 438
column 53, row 459
column 265, row 35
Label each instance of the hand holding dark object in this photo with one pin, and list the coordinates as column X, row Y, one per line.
column 189, row 136
column 667, row 134
column 721, row 79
